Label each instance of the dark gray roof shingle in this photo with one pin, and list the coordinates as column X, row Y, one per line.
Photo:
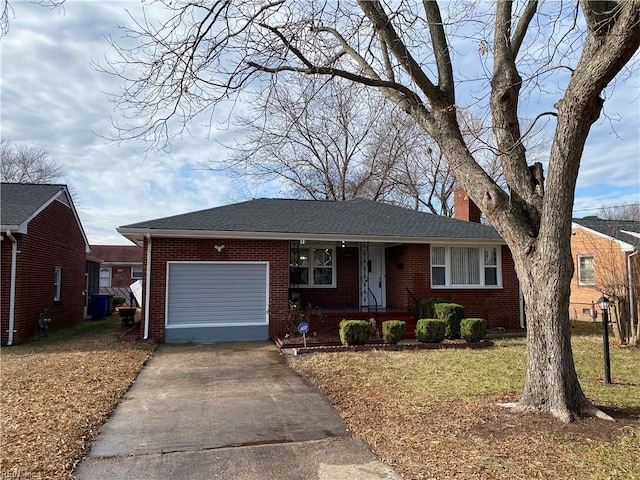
column 613, row 228
column 357, row 217
column 19, row 201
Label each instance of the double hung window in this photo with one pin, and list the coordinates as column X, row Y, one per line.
column 464, row 267
column 312, row 267
column 586, row 270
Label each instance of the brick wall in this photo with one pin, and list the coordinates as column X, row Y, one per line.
column 408, row 267
column 276, row 252
column 610, row 270
column 121, row 276
column 53, row 240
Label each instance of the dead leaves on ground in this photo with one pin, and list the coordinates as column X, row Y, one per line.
column 54, row 399
column 430, row 436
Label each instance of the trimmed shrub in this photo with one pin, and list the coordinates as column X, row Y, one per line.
column 452, row 313
column 354, row 332
column 393, row 331
column 473, row 329
column 426, row 307
column 117, row 300
column 430, row 330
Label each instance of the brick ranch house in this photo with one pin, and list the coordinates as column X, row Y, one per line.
column 605, row 253
column 42, row 259
column 229, row 273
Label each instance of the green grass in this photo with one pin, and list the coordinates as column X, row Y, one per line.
column 434, row 413
column 88, row 327
column 452, row 374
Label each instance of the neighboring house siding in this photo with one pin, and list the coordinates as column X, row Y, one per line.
column 609, row 266
column 53, row 240
column 408, row 267
column 166, row 249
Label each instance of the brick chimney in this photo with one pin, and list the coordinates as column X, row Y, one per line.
column 463, row 206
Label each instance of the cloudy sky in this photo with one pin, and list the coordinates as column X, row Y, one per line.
column 52, row 98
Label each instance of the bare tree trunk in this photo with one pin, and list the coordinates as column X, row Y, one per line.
column 551, row 381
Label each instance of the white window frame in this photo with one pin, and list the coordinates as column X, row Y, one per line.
column 57, row 284
column 100, row 277
column 136, row 268
column 311, row 247
column 481, row 257
column 581, row 282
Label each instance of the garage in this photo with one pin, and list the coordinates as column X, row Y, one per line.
column 217, row 301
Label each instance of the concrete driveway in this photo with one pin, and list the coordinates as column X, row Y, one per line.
column 231, row 410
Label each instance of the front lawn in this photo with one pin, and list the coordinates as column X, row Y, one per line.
column 433, row 414
column 56, row 393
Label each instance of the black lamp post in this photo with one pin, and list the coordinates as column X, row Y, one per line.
column 604, row 306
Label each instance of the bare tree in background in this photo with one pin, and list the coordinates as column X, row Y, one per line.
column 25, row 164
column 203, row 53
column 6, row 12
column 627, row 211
column 338, row 141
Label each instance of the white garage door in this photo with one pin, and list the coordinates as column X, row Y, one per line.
column 217, row 301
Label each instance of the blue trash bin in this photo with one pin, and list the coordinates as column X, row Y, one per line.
column 100, row 306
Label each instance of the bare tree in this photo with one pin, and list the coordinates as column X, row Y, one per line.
column 626, row 211
column 25, row 164
column 6, row 11
column 338, row 141
column 209, row 51
column 314, row 140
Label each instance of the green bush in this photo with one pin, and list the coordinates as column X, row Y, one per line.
column 473, row 329
column 426, row 307
column 430, row 330
column 354, row 332
column 117, row 300
column 393, row 331
column 452, row 313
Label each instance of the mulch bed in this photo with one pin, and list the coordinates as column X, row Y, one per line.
column 328, row 344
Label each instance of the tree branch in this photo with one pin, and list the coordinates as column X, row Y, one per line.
column 523, row 26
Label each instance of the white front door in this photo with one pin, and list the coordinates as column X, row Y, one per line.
column 377, row 277
column 372, row 276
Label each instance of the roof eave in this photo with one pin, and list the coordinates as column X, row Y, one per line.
column 137, row 235
column 624, row 246
column 14, row 228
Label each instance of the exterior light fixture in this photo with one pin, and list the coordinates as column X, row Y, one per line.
column 219, row 248
column 604, row 306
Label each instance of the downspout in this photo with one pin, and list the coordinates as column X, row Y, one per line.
column 12, row 291
column 147, row 289
column 632, row 307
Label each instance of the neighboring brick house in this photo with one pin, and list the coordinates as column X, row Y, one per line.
column 120, row 266
column 226, row 273
column 606, row 262
column 42, row 260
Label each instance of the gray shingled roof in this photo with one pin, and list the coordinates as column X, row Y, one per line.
column 19, row 201
column 613, row 228
column 357, row 217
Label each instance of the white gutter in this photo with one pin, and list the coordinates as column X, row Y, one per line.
column 133, row 233
column 147, row 289
column 632, row 309
column 12, row 294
